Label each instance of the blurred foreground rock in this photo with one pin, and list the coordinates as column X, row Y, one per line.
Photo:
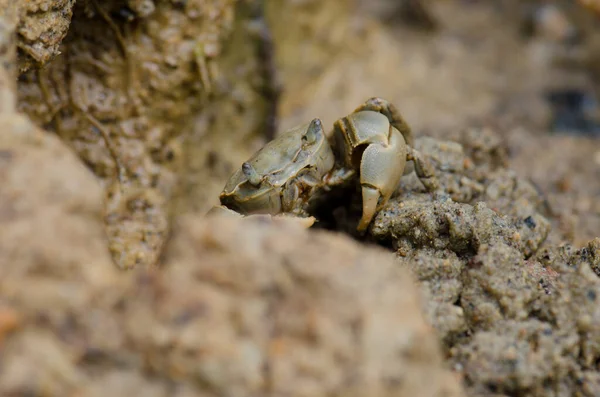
column 240, row 307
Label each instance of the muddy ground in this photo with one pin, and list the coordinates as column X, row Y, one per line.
column 121, row 121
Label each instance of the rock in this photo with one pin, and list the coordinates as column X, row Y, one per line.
column 241, row 307
column 52, row 245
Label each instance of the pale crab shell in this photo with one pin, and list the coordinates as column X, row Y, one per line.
column 277, row 163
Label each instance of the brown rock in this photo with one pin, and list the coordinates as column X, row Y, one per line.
column 52, row 246
column 241, row 308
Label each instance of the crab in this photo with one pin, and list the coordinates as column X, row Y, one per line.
column 371, row 146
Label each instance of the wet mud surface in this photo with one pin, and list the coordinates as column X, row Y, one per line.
column 122, row 121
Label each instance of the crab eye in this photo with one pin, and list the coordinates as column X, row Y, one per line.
column 251, row 174
column 312, row 131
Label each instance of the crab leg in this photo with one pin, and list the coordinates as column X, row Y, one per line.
column 423, row 169
column 298, row 191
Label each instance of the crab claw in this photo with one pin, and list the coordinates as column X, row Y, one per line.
column 381, row 168
column 392, row 113
column 302, row 222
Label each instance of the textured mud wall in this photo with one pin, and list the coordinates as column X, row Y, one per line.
column 152, row 100
column 515, row 318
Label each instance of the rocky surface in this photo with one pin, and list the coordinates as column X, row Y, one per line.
column 517, row 316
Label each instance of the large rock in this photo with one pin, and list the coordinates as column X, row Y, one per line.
column 241, row 308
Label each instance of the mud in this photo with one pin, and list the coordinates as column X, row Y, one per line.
column 518, row 315
column 141, row 96
column 510, row 325
column 128, row 116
